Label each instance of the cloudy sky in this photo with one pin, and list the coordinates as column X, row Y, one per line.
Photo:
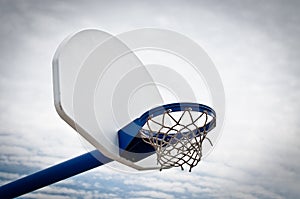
column 255, row 47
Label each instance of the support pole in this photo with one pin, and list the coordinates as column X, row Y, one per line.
column 53, row 174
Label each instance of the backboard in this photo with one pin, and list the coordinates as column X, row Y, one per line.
column 83, row 73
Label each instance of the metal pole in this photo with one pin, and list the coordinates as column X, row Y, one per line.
column 53, row 174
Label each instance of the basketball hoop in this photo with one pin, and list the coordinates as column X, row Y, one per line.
column 179, row 141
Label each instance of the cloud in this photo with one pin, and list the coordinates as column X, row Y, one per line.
column 9, row 176
column 255, row 46
column 150, row 194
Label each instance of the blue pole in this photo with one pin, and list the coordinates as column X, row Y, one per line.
column 53, row 174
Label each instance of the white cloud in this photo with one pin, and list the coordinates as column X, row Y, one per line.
column 9, row 176
column 255, row 49
column 150, row 194
column 46, row 196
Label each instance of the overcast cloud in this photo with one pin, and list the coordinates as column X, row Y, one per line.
column 255, row 47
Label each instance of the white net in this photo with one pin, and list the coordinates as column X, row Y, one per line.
column 177, row 137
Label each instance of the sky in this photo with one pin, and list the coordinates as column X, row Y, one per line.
column 255, row 47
